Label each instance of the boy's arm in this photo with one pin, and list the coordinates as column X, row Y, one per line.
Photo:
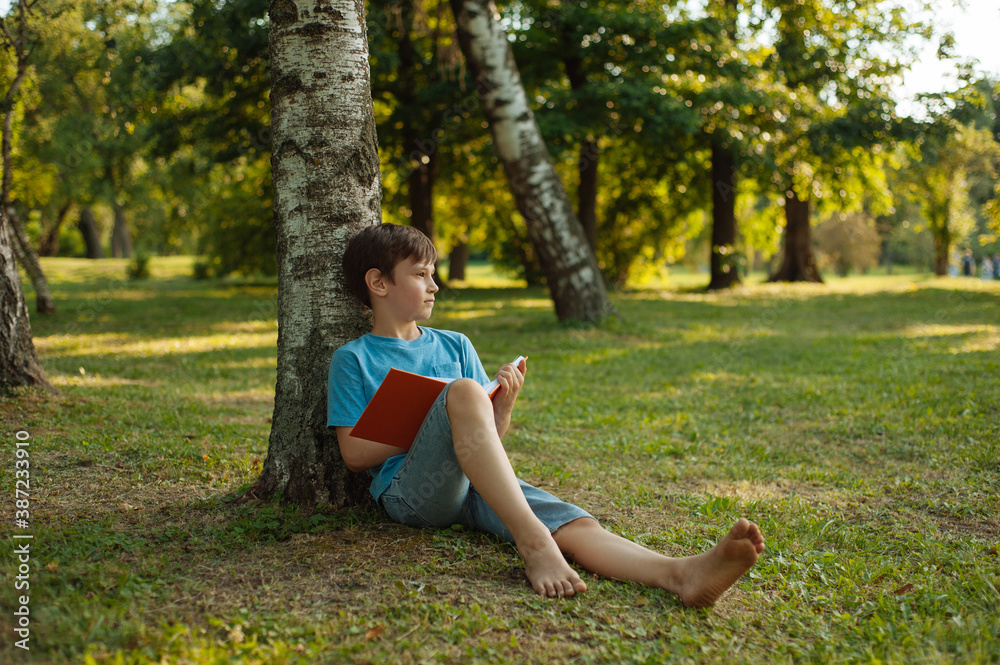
column 511, row 380
column 362, row 454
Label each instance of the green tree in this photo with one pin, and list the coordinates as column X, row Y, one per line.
column 837, row 59
column 213, row 130
column 571, row 270
column 942, row 164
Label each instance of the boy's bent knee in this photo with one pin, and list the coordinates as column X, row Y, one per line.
column 462, row 392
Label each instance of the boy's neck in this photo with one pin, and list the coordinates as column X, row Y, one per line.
column 404, row 330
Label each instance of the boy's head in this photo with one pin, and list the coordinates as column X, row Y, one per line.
column 382, row 247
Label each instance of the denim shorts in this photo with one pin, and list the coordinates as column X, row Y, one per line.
column 430, row 490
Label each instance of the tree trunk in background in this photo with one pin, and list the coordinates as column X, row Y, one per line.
column 941, row 233
column 420, row 150
column 570, row 268
column 586, row 195
column 798, row 261
column 44, row 304
column 327, row 187
column 722, row 263
column 421, row 193
column 724, row 269
column 88, row 228
column 121, row 239
column 458, row 258
column 50, row 241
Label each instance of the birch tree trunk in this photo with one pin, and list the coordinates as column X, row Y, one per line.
column 568, row 263
column 26, row 255
column 327, row 186
column 19, row 364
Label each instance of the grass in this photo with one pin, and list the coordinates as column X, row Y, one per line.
column 857, row 422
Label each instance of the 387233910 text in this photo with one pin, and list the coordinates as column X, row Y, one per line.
column 22, row 538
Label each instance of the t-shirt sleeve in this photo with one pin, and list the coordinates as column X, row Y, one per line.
column 472, row 368
column 345, row 390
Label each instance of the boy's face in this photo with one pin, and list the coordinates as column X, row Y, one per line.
column 409, row 295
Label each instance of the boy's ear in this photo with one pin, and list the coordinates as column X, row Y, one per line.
column 376, row 282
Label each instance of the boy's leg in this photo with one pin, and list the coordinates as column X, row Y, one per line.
column 484, row 461
column 699, row 580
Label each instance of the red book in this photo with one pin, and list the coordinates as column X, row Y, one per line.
column 398, row 408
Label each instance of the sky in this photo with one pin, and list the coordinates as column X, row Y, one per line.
column 976, row 27
column 975, row 24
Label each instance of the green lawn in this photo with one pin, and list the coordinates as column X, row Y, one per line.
column 857, row 422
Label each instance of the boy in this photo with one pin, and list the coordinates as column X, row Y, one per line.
column 457, row 470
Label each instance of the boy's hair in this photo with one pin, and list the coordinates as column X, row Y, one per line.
column 383, row 247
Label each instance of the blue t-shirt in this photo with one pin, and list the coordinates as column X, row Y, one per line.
column 359, row 367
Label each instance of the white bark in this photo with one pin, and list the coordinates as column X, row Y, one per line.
column 327, row 186
column 28, row 257
column 18, row 362
column 567, row 260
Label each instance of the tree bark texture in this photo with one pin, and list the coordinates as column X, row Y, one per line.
column 798, row 260
column 121, row 239
column 570, row 267
column 327, row 187
column 44, row 304
column 19, row 364
column 91, row 238
column 724, row 269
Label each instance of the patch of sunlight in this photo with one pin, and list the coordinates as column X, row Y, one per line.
column 69, row 344
column 95, row 381
column 942, row 330
column 242, row 396
column 757, row 490
column 603, row 355
column 246, row 326
column 461, row 315
column 532, row 303
column 121, row 345
column 124, row 294
column 986, row 341
column 251, row 363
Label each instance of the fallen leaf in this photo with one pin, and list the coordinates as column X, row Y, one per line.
column 236, row 634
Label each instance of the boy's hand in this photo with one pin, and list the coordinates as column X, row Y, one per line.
column 511, row 378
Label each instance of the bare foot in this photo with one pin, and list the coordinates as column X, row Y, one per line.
column 547, row 570
column 703, row 578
